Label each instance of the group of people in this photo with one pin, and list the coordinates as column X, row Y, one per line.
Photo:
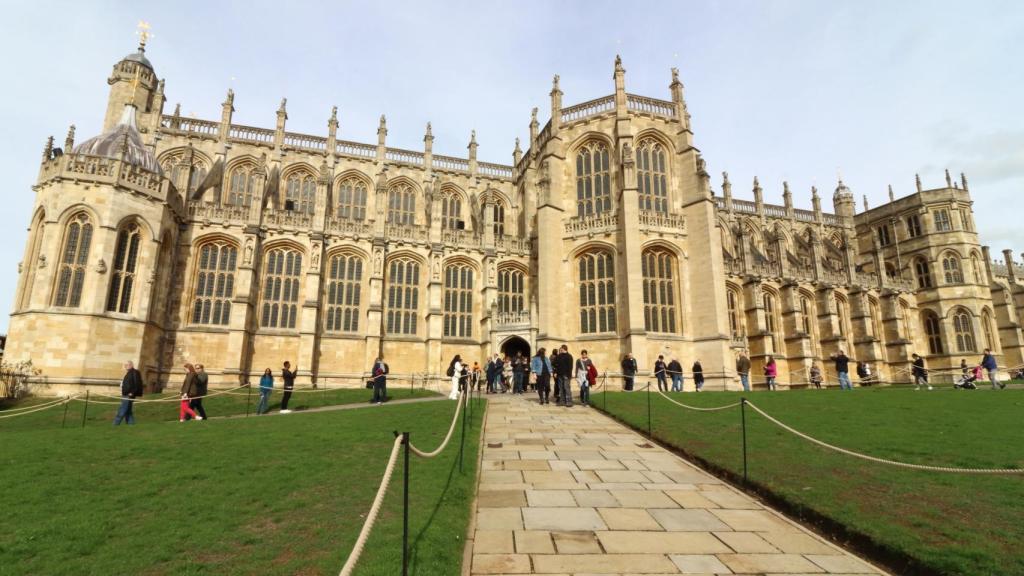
column 672, row 370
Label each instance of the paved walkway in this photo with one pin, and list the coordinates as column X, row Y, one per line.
column 572, row 492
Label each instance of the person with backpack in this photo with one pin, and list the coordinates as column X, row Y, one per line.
column 563, row 369
column 131, row 388
column 202, row 385
column 919, row 372
column 629, row 370
column 288, row 376
column 455, row 372
column 675, row 370
column 266, row 387
column 583, row 366
column 541, row 367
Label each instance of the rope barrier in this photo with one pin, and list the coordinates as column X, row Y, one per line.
column 173, row 398
column 39, row 408
column 698, row 408
column 34, row 406
column 371, row 517
column 883, row 460
column 451, row 429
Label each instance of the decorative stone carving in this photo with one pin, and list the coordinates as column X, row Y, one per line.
column 378, row 260
column 316, row 255
column 42, row 261
column 248, row 251
column 19, row 267
column 101, row 266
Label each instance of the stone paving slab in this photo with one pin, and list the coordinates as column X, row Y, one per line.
column 570, row 492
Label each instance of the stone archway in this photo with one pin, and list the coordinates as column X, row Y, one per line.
column 515, row 345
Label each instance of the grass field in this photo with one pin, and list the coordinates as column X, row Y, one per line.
column 919, row 522
column 278, row 495
column 101, row 410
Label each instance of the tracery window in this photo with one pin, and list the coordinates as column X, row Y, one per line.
column 186, row 176
column 914, row 225
column 652, row 176
column 458, row 301
column 300, row 193
column 597, row 292
column 403, row 296
column 215, row 283
column 884, row 238
column 352, row 199
column 978, row 272
column 805, row 314
column 73, row 261
column 951, row 269
column 281, row 288
column 942, row 223
column 498, row 217
column 122, row 278
column 593, row 180
column 242, row 185
column 924, row 275
column 876, row 319
column 771, row 320
column 932, row 332
column 964, row 331
column 511, row 290
column 31, row 263
column 986, row 327
column 401, row 205
column 451, row 210
column 658, row 268
column 344, row 289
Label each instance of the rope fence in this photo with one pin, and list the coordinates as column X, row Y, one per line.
column 26, row 410
column 371, row 517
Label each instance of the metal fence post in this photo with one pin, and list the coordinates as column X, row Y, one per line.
column 743, row 422
column 405, row 509
column 86, row 410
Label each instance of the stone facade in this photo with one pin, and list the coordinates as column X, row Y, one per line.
column 250, row 246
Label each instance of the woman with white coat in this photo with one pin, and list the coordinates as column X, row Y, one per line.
column 455, row 372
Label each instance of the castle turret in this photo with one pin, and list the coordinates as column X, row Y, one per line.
column 133, row 81
column 843, row 202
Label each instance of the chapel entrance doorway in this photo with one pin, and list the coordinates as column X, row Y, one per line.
column 515, row 345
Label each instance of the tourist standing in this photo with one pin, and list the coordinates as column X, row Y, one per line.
column 988, row 362
column 474, row 377
column 202, row 386
column 563, row 369
column 919, row 372
column 629, row 371
column 188, row 390
column 660, row 369
column 816, row 376
column 266, row 387
column 771, row 372
column 583, row 366
column 506, row 375
column 743, row 369
column 698, row 375
column 288, row 377
column 519, row 370
column 843, row 370
column 675, row 370
column 541, row 367
column 455, row 372
column 380, row 372
column 131, row 388
column 554, row 375
column 499, row 374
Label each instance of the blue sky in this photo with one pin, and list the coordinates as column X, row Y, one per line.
column 795, row 90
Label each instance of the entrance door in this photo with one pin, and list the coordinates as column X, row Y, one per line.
column 515, row 345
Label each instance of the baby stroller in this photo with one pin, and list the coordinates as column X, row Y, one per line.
column 967, row 382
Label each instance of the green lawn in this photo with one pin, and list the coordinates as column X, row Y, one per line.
column 919, row 522
column 101, row 410
column 278, row 495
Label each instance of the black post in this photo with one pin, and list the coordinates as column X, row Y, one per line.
column 743, row 421
column 248, row 398
column 405, row 509
column 650, row 433
column 86, row 410
column 65, row 419
column 462, row 440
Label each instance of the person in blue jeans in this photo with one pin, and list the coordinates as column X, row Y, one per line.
column 988, row 362
column 266, row 387
column 131, row 388
column 675, row 370
column 843, row 370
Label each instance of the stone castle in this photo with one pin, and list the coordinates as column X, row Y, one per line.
column 169, row 239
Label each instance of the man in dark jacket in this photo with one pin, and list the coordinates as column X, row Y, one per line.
column 919, row 372
column 131, row 388
column 563, row 369
column 288, row 376
column 629, row 370
column 202, row 380
column 660, row 372
column 988, row 362
column 380, row 372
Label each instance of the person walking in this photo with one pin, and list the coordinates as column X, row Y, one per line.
column 554, row 376
column 743, row 369
column 266, row 387
column 474, row 377
column 202, row 382
column 843, row 370
column 188, row 390
column 519, row 370
column 499, row 374
column 541, row 367
column 583, row 366
column 698, row 375
column 675, row 370
column 816, row 376
column 380, row 372
column 660, row 369
column 506, row 375
column 629, row 370
column 288, row 377
column 988, row 362
column 771, row 372
column 563, row 369
column 919, row 372
column 131, row 388
column 455, row 372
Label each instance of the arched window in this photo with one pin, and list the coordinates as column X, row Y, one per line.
column 300, row 193
column 905, row 321
column 932, row 331
column 986, row 328
column 732, row 300
column 876, row 319
column 401, row 205
column 806, row 312
column 659, row 291
column 843, row 316
column 215, row 283
column 31, row 263
column 122, row 278
column 964, row 331
column 73, row 261
column 281, row 288
column 924, row 274
column 498, row 217
column 242, row 185
column 593, row 180
column 451, row 209
column 771, row 320
column 951, row 269
column 979, row 274
column 941, row 218
column 652, row 176
column 344, row 287
column 186, row 174
column 352, row 199
column 458, row 301
column 403, row 296
column 511, row 290
column 914, row 226
column 597, row 292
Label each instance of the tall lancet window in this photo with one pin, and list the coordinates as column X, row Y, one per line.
column 593, row 180
column 122, row 279
column 652, row 176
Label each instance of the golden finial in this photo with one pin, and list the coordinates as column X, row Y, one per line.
column 144, row 34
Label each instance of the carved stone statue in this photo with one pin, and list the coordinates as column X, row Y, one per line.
column 316, row 255
column 378, row 260
column 436, row 266
column 42, row 261
column 627, row 153
column 248, row 252
column 428, row 201
column 475, row 214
